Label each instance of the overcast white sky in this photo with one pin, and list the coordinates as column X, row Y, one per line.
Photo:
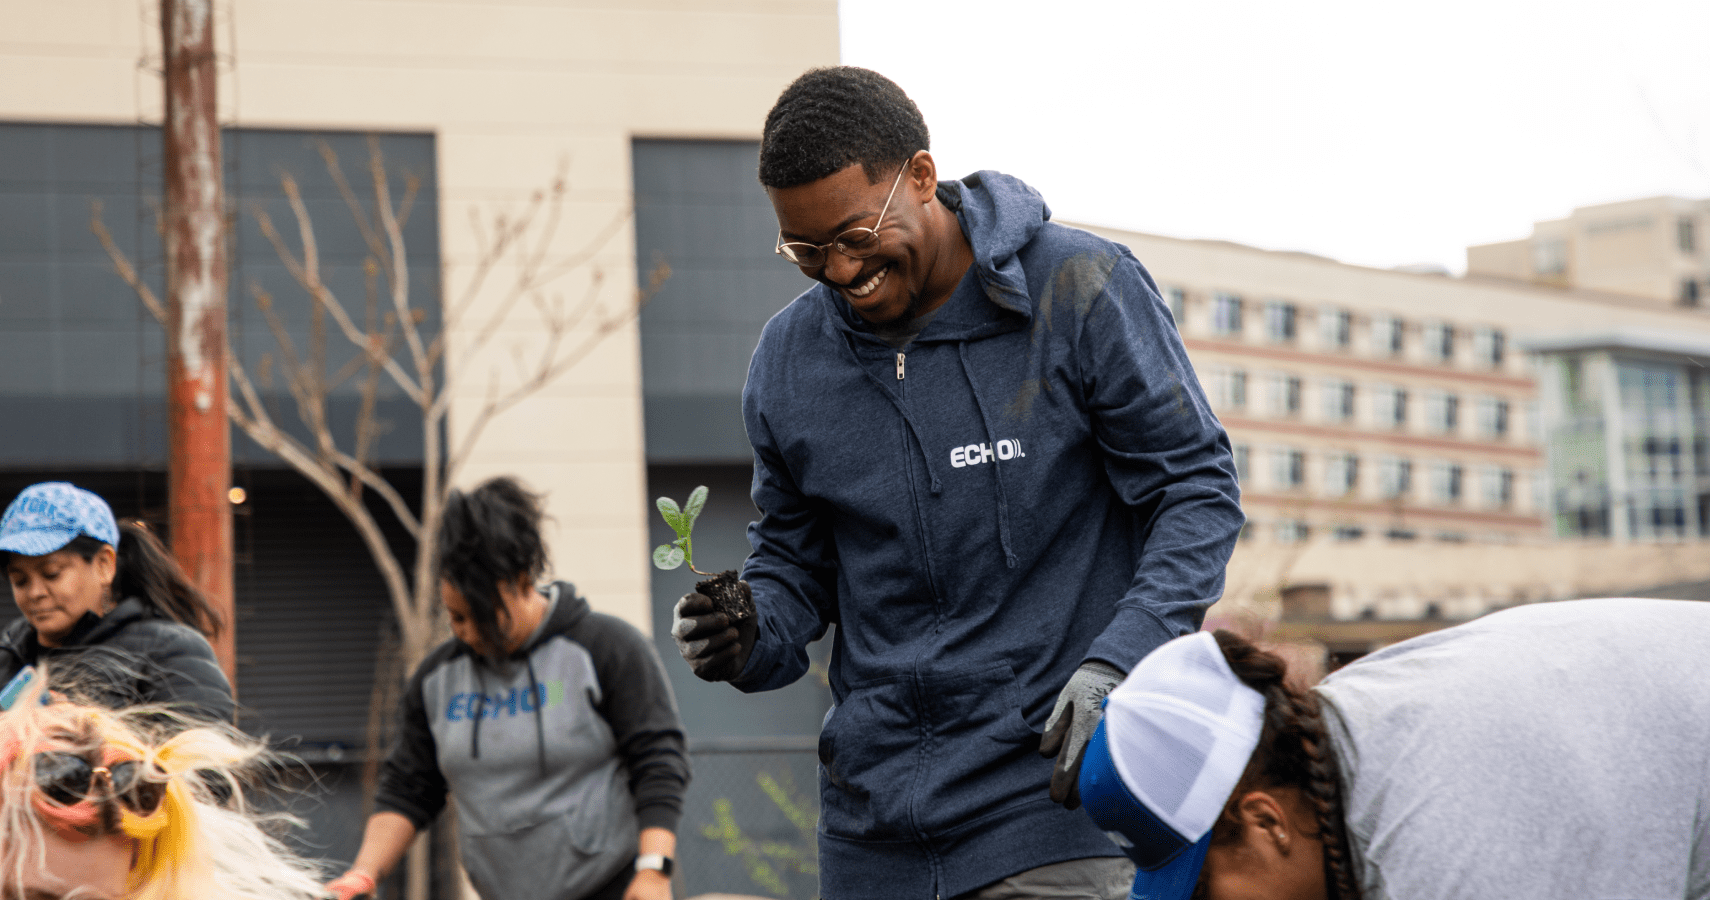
column 1374, row 132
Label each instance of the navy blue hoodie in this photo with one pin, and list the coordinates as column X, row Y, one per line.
column 1036, row 481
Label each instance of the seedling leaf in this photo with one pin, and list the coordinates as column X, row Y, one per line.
column 674, row 516
column 668, row 556
column 697, row 502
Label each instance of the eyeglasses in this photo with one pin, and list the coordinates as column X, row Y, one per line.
column 69, row 779
column 856, row 243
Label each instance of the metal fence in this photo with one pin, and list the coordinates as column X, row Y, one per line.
column 750, row 818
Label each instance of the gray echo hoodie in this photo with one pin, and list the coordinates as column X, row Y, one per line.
column 557, row 758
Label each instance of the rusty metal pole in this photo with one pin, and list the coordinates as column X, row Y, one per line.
column 199, row 475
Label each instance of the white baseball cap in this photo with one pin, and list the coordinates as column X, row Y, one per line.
column 1176, row 735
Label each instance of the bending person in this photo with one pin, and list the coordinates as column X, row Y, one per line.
column 1546, row 751
column 553, row 725
column 108, row 605
column 92, row 806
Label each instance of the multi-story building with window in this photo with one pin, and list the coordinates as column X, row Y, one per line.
column 1657, row 248
column 1393, row 445
column 1358, row 390
column 1628, row 412
column 647, row 112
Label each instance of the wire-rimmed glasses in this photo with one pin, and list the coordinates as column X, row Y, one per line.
column 856, row 243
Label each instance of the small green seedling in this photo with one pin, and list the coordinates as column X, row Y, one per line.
column 728, row 592
column 682, row 520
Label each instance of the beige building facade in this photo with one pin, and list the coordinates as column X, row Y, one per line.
column 1389, row 431
column 1657, row 248
column 513, row 93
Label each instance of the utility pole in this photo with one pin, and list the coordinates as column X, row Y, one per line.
column 199, row 474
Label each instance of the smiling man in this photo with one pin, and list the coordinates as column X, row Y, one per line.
column 981, row 452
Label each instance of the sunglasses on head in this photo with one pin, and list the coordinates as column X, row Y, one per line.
column 69, row 779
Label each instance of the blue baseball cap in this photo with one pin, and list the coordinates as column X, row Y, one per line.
column 47, row 516
column 1175, row 738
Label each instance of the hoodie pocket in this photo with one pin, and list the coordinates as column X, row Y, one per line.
column 570, row 853
column 985, row 757
column 869, row 753
column 902, row 757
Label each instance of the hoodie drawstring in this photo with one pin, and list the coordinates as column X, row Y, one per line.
column 931, row 473
column 539, row 727
column 480, row 713
column 997, row 468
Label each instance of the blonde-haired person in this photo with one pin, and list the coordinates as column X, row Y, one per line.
column 96, row 803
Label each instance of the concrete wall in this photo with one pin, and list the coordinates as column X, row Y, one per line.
column 514, row 92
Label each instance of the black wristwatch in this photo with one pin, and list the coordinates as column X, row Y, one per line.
column 658, row 862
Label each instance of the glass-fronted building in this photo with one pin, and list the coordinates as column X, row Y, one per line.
column 1627, row 415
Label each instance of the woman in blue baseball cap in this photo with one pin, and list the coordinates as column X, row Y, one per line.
column 106, row 607
column 1545, row 751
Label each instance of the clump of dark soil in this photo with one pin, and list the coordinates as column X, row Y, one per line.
column 729, row 595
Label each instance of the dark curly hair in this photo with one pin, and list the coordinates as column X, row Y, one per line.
column 490, row 536
column 1293, row 751
column 830, row 119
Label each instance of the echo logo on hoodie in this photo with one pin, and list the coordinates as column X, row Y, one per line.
column 975, row 454
column 519, row 701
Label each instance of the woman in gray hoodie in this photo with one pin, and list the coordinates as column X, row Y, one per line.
column 554, row 726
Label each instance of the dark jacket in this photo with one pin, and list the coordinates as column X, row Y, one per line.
column 558, row 758
column 130, row 655
column 1036, row 481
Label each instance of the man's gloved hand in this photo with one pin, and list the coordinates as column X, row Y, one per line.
column 1072, row 724
column 713, row 647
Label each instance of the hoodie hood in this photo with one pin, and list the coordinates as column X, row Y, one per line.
column 1000, row 214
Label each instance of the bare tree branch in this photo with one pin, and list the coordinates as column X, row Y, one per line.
column 125, row 269
column 550, row 366
column 298, row 457
column 395, row 343
column 310, row 280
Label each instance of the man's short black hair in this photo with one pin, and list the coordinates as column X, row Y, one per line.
column 830, row 119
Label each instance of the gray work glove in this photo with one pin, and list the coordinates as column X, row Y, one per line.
column 1071, row 725
column 715, row 649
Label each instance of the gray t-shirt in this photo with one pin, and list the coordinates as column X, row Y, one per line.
column 1560, row 750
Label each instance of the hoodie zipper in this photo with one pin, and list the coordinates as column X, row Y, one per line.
column 899, row 365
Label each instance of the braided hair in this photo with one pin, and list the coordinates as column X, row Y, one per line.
column 832, row 118
column 1293, row 752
